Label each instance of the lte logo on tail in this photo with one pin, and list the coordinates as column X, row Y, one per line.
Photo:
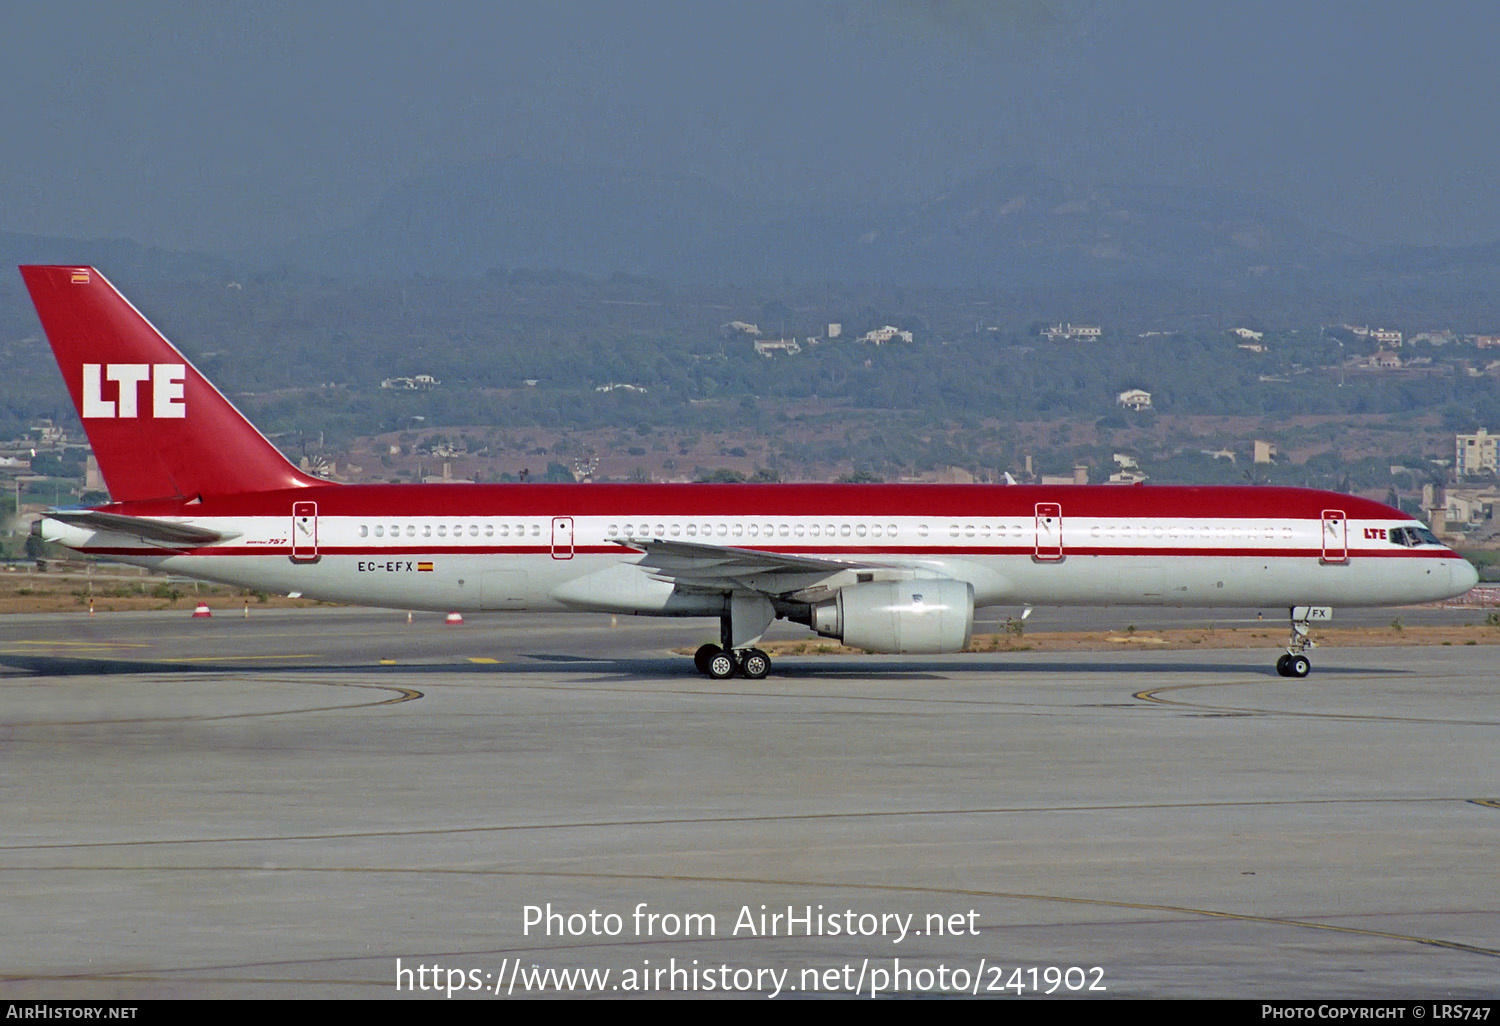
column 166, row 389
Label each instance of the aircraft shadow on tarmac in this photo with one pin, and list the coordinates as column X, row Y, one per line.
column 805, row 669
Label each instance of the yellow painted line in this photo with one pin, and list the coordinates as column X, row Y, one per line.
column 1488, row 803
column 387, row 662
column 226, row 659
column 482, row 659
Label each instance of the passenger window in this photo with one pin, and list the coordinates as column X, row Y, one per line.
column 364, row 530
column 442, row 530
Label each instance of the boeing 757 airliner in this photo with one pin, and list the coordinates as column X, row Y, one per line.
column 196, row 490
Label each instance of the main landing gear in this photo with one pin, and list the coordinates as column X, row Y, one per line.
column 1295, row 663
column 718, row 664
column 740, row 628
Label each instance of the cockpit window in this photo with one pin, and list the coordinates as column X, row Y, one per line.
column 1412, row 536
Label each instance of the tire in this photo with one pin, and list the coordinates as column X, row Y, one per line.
column 1282, row 663
column 755, row 664
column 1298, row 666
column 703, row 655
column 721, row 666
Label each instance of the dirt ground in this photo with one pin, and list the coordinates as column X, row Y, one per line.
column 68, row 587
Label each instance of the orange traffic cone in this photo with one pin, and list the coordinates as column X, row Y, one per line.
column 454, row 620
column 201, row 613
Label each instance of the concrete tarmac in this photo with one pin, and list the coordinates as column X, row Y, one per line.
column 326, row 803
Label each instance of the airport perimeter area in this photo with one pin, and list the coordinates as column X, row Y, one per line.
column 334, row 803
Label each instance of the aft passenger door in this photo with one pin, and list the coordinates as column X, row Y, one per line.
column 562, row 537
column 1335, row 536
column 1049, row 532
column 304, row 532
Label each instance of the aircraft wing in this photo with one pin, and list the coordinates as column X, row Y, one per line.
column 148, row 529
column 722, row 568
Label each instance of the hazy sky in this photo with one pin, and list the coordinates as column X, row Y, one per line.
column 212, row 124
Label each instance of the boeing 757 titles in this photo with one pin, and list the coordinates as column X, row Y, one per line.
column 196, row 490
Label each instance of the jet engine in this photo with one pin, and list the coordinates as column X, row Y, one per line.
column 918, row 615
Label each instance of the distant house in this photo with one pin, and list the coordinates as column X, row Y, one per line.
column 770, row 347
column 1137, row 399
column 419, row 381
column 753, row 330
column 1386, row 336
column 1248, row 335
column 1265, row 452
column 1476, row 452
column 1434, row 338
column 882, row 335
column 1067, row 332
column 1129, row 472
column 619, row 386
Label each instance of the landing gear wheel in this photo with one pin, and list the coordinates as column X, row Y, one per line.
column 754, row 663
column 1282, row 663
column 703, row 655
column 721, row 665
column 1298, row 666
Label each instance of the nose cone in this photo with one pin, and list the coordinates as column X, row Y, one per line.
column 1463, row 576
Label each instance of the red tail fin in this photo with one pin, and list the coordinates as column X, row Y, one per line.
column 158, row 428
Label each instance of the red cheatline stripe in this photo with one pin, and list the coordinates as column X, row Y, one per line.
column 866, row 551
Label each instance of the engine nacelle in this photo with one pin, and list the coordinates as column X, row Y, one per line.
column 920, row 615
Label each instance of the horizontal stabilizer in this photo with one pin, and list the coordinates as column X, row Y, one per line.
column 146, row 528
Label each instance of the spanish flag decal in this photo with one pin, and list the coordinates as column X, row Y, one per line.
column 80, row 276
column 424, row 568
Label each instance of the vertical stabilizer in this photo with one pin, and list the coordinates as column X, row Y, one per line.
column 158, row 428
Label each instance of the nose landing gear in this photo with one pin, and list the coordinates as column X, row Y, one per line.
column 1295, row 663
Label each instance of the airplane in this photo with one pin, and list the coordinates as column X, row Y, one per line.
column 196, row 490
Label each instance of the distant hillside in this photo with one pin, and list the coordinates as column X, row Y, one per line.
column 470, row 218
column 120, row 258
column 1014, row 226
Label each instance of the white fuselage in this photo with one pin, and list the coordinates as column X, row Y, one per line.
column 575, row 562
